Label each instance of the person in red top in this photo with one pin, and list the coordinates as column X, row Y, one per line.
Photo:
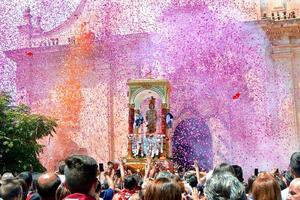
column 130, row 185
column 81, row 177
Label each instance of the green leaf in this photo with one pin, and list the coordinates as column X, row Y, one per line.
column 10, row 145
column 19, row 130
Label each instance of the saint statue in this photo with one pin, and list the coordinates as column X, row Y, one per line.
column 138, row 121
column 151, row 116
column 169, row 120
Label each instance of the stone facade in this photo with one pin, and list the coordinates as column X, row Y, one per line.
column 44, row 58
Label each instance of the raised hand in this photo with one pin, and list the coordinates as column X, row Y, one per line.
column 196, row 165
column 195, row 194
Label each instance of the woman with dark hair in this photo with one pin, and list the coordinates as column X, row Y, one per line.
column 224, row 186
column 223, row 168
column 163, row 189
column 249, row 185
column 61, row 192
column 287, row 177
column 265, row 187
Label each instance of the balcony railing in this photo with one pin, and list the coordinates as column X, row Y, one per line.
column 282, row 15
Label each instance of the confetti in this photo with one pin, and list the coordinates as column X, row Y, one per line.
column 29, row 53
column 236, row 96
column 204, row 48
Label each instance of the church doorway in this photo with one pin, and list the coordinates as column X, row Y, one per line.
column 192, row 141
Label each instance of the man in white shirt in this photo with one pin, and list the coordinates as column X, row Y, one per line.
column 294, row 190
column 295, row 170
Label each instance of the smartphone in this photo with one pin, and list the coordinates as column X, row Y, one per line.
column 118, row 172
column 256, row 172
column 101, row 167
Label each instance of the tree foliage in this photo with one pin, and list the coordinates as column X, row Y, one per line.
column 19, row 132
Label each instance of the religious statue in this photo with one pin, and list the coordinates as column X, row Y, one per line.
column 147, row 143
column 169, row 120
column 138, row 121
column 151, row 116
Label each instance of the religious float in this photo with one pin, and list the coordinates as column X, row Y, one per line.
column 148, row 129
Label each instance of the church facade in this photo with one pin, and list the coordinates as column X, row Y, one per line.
column 84, row 88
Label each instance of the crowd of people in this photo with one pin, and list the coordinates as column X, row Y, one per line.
column 79, row 177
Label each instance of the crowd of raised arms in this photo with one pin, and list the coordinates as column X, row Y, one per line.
column 79, row 178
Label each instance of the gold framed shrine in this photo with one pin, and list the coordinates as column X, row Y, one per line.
column 140, row 90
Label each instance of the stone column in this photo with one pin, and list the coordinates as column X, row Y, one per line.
column 130, row 119
column 130, row 128
column 110, row 122
column 163, row 125
column 295, row 63
column 164, row 111
column 286, row 57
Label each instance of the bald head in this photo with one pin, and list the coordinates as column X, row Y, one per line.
column 47, row 185
column 294, row 190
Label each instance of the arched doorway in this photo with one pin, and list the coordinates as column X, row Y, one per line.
column 192, row 141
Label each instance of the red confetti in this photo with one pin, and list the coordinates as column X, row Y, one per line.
column 236, row 96
column 29, row 53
